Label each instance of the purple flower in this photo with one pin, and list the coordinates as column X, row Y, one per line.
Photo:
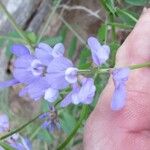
column 45, row 53
column 39, row 88
column 60, row 73
column 50, row 118
column 83, row 94
column 120, row 76
column 100, row 53
column 19, row 143
column 4, row 123
column 28, row 67
column 31, row 70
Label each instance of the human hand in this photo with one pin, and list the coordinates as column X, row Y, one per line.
column 129, row 128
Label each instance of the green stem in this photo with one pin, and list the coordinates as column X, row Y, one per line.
column 111, row 19
column 137, row 66
column 48, row 21
column 12, row 21
column 132, row 67
column 12, row 38
column 68, row 139
column 127, row 14
column 19, row 129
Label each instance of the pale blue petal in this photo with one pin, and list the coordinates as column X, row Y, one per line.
column 19, row 50
column 44, row 53
column 24, row 76
column 37, row 89
column 120, row 73
column 8, row 83
column 58, row 50
column 118, row 99
column 94, row 44
column 24, row 61
column 57, row 80
column 59, row 64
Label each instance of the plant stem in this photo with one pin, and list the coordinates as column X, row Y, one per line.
column 12, row 38
column 19, row 129
column 48, row 21
column 12, row 21
column 137, row 66
column 127, row 14
column 68, row 139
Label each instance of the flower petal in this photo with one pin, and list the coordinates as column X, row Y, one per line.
column 51, row 94
column 8, row 83
column 24, row 61
column 58, row 50
column 37, row 88
column 44, row 53
column 24, row 76
column 87, row 91
column 57, row 80
column 59, row 64
column 4, row 123
column 94, row 44
column 71, row 75
column 118, row 99
column 67, row 100
column 19, row 50
column 120, row 73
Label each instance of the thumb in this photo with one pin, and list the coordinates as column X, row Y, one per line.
column 104, row 123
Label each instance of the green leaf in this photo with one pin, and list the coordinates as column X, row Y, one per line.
column 102, row 32
column 63, row 33
column 137, row 2
column 6, row 146
column 72, row 47
column 110, row 5
column 52, row 40
column 114, row 47
column 32, row 37
column 127, row 17
column 120, row 25
column 10, row 43
column 67, row 121
column 84, row 56
column 44, row 135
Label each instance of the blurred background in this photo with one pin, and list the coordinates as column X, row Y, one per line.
column 70, row 22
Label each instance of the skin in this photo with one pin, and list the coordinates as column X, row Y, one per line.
column 129, row 128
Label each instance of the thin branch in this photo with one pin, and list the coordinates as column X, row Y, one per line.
column 48, row 21
column 79, row 7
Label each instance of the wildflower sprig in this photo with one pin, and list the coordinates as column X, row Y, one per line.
column 47, row 73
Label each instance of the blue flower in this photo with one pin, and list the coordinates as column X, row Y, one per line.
column 83, row 94
column 100, row 53
column 51, row 122
column 4, row 123
column 120, row 76
column 17, row 142
column 61, row 73
column 31, row 69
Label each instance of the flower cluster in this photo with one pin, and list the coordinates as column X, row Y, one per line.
column 50, row 118
column 16, row 141
column 47, row 71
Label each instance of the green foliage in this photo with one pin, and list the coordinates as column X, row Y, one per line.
column 67, row 121
column 102, row 31
column 127, row 17
column 72, row 48
column 45, row 136
column 83, row 59
column 6, row 146
column 137, row 2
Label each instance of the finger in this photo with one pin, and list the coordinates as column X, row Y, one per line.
column 135, row 115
